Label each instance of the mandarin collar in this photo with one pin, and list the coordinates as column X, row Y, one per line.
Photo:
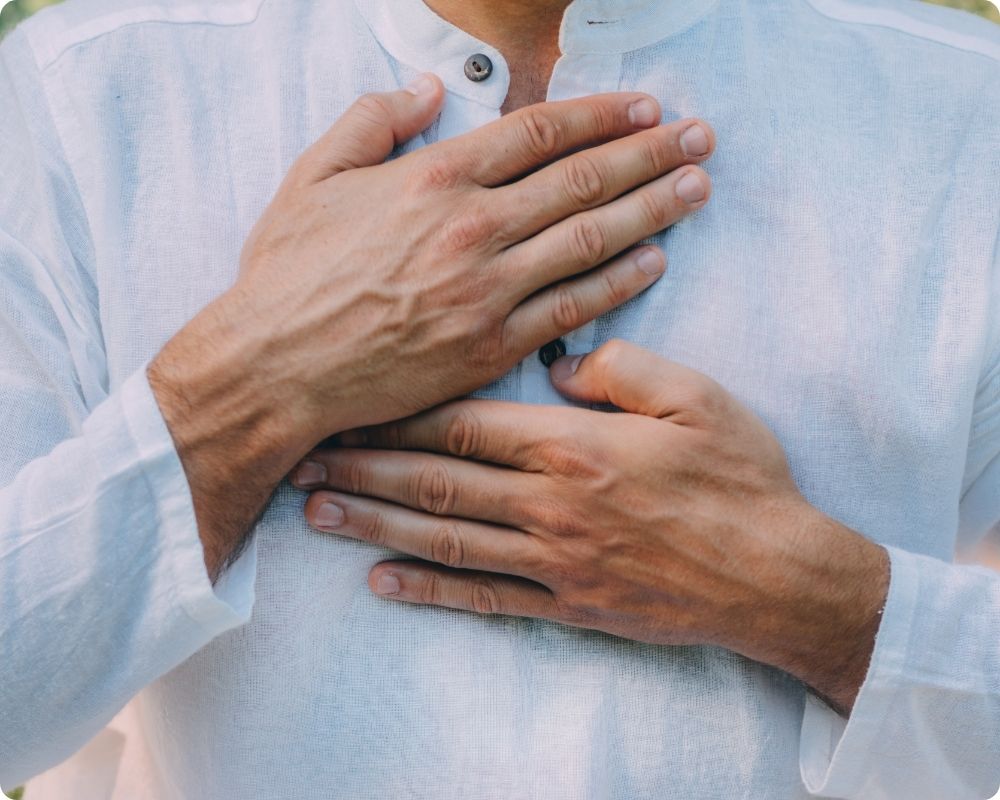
column 416, row 36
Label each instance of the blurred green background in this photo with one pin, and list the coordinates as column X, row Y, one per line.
column 14, row 12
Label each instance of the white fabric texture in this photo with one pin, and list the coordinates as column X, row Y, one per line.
column 842, row 283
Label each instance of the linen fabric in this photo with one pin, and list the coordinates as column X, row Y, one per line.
column 842, row 283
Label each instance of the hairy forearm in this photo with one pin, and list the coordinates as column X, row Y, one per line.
column 237, row 426
column 827, row 597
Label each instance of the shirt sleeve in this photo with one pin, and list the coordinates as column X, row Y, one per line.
column 926, row 723
column 103, row 587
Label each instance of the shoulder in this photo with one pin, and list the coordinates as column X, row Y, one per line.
column 939, row 34
column 56, row 29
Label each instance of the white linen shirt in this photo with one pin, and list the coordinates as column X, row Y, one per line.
column 842, row 283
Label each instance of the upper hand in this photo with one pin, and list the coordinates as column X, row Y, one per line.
column 677, row 522
column 376, row 290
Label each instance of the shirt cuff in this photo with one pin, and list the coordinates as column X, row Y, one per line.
column 836, row 754
column 230, row 602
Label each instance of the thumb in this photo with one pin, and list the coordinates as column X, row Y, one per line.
column 633, row 379
column 369, row 130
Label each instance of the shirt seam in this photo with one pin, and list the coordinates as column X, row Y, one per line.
column 63, row 157
column 991, row 356
column 55, row 56
column 990, row 50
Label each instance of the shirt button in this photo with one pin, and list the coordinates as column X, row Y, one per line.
column 478, row 68
column 553, row 350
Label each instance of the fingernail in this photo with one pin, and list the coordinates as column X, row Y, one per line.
column 387, row 583
column 694, row 141
column 310, row 473
column 329, row 515
column 691, row 189
column 565, row 368
column 422, row 84
column 642, row 114
column 650, row 262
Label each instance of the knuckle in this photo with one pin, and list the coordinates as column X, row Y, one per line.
column 472, row 229
column 566, row 526
column 488, row 346
column 654, row 154
column 567, row 308
column 446, row 546
column 567, row 458
column 704, row 394
column 589, row 242
column 375, row 529
column 431, row 590
column 463, row 434
column 485, row 597
column 541, row 135
column 616, row 291
column 585, row 183
column 373, row 108
column 654, row 212
column 610, row 352
column 434, row 491
column 357, row 476
column 435, row 173
column 605, row 119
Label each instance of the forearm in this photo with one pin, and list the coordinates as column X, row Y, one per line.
column 237, row 424
column 824, row 591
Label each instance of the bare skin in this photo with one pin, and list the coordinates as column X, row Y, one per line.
column 369, row 291
column 678, row 523
column 527, row 33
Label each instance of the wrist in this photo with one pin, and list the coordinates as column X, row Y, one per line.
column 825, row 593
column 234, row 432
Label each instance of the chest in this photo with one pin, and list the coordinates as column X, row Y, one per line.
column 851, row 326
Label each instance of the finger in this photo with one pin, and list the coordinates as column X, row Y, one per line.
column 369, row 130
column 431, row 483
column 573, row 303
column 453, row 542
column 486, row 430
column 594, row 177
column 636, row 380
column 530, row 137
column 481, row 593
column 592, row 237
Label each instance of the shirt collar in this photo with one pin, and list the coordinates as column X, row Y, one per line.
column 416, row 36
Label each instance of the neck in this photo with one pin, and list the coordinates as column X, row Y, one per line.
column 525, row 31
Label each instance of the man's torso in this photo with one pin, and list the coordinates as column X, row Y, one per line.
column 837, row 284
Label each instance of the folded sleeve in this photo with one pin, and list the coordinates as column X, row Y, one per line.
column 103, row 587
column 926, row 722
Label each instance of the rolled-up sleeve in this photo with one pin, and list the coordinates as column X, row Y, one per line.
column 103, row 586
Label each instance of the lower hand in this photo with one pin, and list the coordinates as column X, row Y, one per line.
column 677, row 522
column 369, row 291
